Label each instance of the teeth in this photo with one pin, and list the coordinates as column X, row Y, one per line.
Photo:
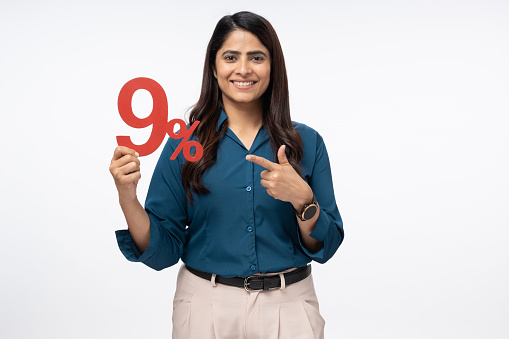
column 243, row 83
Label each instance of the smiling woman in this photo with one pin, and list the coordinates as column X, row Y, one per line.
column 242, row 71
column 248, row 217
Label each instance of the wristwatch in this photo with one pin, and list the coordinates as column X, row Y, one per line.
column 308, row 211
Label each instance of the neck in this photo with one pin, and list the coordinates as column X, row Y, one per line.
column 244, row 115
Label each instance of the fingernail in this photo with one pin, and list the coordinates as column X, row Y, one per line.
column 137, row 154
column 248, row 157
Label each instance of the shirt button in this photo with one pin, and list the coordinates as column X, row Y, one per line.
column 253, row 267
column 250, row 228
column 248, row 188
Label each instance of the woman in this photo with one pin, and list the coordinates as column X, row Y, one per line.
column 258, row 206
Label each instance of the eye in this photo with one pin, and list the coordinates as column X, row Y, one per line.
column 229, row 58
column 258, row 58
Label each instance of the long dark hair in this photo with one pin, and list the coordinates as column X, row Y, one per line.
column 276, row 103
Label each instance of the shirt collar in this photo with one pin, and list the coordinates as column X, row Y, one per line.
column 222, row 118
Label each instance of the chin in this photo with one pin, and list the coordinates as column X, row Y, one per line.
column 243, row 100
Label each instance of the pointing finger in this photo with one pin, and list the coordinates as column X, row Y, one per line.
column 262, row 162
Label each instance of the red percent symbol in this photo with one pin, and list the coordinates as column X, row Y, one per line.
column 184, row 134
column 158, row 118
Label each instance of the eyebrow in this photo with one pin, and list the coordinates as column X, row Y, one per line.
column 238, row 53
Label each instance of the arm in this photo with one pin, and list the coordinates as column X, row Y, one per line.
column 321, row 236
column 307, row 226
column 125, row 169
column 159, row 242
column 138, row 223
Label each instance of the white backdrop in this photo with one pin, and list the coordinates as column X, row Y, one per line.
column 411, row 97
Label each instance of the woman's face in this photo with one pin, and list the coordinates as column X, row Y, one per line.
column 242, row 68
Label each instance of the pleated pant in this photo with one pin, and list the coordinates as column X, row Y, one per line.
column 203, row 309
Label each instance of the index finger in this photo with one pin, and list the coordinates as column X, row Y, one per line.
column 120, row 151
column 262, row 162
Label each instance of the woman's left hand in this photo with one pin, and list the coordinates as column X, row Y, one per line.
column 282, row 181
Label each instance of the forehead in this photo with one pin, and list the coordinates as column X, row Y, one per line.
column 243, row 41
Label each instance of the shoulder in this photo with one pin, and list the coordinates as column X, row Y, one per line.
column 309, row 135
column 302, row 127
column 312, row 145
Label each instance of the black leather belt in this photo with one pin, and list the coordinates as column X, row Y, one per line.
column 256, row 282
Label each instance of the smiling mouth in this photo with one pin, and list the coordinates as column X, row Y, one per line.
column 243, row 83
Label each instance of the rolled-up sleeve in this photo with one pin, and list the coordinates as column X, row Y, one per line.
column 166, row 206
column 329, row 225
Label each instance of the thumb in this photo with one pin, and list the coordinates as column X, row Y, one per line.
column 282, row 155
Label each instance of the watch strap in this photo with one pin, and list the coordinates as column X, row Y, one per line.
column 305, row 207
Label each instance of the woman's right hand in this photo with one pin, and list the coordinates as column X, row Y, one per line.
column 125, row 169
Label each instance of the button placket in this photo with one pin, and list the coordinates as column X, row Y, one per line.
column 250, row 229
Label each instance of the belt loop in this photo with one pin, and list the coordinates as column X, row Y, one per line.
column 213, row 280
column 283, row 282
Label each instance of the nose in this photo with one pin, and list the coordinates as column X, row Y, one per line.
column 243, row 67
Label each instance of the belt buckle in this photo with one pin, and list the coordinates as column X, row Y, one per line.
column 246, row 282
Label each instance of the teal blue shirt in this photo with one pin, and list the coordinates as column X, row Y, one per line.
column 238, row 229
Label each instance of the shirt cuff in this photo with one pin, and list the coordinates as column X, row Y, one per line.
column 129, row 249
column 318, row 233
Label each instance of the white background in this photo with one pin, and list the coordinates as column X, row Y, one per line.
column 411, row 97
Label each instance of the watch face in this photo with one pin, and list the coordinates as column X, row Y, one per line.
column 310, row 212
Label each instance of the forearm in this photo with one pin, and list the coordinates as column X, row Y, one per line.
column 138, row 222
column 306, row 227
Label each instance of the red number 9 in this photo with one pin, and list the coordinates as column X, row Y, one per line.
column 158, row 118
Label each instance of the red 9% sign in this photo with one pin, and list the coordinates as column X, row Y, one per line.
column 158, row 118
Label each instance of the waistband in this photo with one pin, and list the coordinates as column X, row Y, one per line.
column 256, row 282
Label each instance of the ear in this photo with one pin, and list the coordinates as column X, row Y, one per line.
column 214, row 71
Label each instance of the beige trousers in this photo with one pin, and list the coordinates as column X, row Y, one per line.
column 203, row 309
